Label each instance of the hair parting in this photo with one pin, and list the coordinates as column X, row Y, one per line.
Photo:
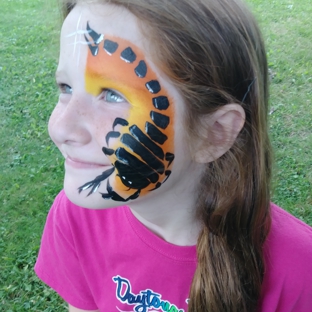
column 214, row 54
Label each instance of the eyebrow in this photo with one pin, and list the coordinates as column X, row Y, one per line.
column 60, row 73
column 57, row 74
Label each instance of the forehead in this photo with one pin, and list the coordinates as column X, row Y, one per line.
column 111, row 21
column 106, row 19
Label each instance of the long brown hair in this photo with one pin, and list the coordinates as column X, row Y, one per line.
column 212, row 50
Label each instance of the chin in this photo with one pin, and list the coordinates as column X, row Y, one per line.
column 93, row 201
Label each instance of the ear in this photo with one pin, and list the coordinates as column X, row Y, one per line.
column 221, row 130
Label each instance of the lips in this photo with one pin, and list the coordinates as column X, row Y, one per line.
column 82, row 164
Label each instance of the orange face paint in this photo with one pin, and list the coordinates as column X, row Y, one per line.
column 143, row 154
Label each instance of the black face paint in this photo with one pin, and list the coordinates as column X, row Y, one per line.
column 110, row 46
column 114, row 196
column 169, row 158
column 146, row 155
column 97, row 38
column 147, row 142
column 161, row 102
column 133, row 162
column 160, row 120
column 153, row 86
column 130, row 177
column 108, row 151
column 112, row 135
column 121, row 122
column 95, row 183
column 128, row 55
column 141, row 69
column 155, row 134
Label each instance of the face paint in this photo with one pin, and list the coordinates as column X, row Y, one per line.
column 142, row 150
column 77, row 41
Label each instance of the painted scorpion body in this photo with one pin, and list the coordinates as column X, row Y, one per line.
column 144, row 152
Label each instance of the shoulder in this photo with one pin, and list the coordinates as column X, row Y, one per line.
column 71, row 245
column 289, row 243
column 288, row 264
column 288, row 234
column 83, row 228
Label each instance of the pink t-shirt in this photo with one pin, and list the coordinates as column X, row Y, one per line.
column 108, row 260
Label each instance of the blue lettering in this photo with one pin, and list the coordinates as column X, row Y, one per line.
column 140, row 308
column 148, row 294
column 148, row 302
column 131, row 299
column 165, row 305
column 120, row 282
column 155, row 302
column 143, row 301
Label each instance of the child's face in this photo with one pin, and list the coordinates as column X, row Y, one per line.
column 119, row 121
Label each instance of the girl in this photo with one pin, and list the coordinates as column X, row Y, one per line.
column 163, row 113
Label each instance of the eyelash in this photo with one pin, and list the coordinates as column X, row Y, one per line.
column 63, row 87
column 113, row 93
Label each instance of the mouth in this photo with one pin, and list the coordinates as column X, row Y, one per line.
column 82, row 164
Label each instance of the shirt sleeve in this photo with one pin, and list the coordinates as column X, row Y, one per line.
column 57, row 263
column 287, row 284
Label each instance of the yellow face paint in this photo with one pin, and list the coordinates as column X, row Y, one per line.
column 143, row 154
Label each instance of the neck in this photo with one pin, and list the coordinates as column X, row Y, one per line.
column 171, row 215
column 181, row 232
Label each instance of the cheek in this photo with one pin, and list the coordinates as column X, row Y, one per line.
column 104, row 123
column 52, row 124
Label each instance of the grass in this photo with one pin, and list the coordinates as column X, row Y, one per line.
column 29, row 175
column 31, row 168
column 287, row 29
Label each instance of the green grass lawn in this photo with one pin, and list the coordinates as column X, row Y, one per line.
column 31, row 167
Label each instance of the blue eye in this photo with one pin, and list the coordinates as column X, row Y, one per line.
column 65, row 89
column 113, row 97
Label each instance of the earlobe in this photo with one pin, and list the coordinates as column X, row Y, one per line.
column 221, row 130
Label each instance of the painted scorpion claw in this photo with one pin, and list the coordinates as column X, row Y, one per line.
column 97, row 38
column 95, row 184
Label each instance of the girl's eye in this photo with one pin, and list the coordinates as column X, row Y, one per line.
column 113, row 97
column 65, row 89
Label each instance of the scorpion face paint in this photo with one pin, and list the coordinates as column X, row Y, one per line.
column 114, row 122
column 142, row 155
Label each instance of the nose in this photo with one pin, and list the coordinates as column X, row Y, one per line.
column 69, row 122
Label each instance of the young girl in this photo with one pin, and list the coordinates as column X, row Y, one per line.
column 162, row 117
